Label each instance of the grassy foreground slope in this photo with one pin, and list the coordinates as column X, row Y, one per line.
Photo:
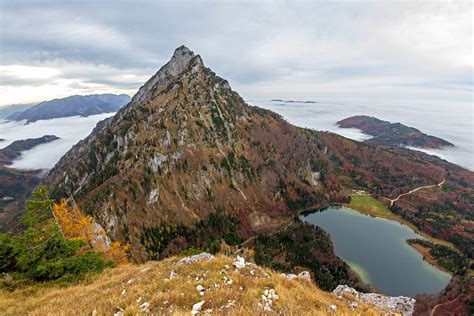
column 127, row 287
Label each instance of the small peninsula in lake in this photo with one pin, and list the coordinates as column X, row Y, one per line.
column 392, row 134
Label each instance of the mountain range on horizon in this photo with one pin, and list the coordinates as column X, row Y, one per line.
column 75, row 105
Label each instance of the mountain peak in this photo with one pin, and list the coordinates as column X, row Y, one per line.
column 180, row 59
column 193, row 144
column 182, row 50
column 175, row 66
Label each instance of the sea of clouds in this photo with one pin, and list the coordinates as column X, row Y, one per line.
column 70, row 129
column 453, row 123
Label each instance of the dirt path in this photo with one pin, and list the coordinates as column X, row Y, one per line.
column 414, row 190
column 441, row 304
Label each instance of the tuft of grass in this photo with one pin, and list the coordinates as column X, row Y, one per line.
column 151, row 283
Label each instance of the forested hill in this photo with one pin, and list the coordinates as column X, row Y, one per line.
column 392, row 134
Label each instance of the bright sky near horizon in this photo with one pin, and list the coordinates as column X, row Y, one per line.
column 412, row 50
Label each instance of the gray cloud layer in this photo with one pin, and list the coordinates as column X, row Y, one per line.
column 384, row 49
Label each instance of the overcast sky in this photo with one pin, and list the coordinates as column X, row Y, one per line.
column 413, row 50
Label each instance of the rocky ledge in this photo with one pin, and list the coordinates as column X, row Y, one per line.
column 395, row 304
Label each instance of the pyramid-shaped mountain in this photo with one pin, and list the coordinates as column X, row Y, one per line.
column 187, row 145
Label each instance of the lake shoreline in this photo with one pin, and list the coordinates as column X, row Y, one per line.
column 417, row 247
column 425, row 253
column 385, row 213
column 415, row 274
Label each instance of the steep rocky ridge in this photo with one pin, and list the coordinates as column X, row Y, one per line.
column 187, row 146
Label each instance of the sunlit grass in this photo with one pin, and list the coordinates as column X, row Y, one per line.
column 103, row 292
column 370, row 206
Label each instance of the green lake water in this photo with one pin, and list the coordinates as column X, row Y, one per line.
column 377, row 250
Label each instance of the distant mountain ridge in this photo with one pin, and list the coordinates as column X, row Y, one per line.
column 14, row 150
column 7, row 110
column 83, row 105
column 16, row 185
column 392, row 134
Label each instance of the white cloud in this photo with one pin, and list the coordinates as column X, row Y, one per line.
column 27, row 72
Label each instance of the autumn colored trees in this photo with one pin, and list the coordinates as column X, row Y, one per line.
column 58, row 242
column 76, row 225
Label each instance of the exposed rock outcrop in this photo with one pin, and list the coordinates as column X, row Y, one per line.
column 395, row 304
column 200, row 257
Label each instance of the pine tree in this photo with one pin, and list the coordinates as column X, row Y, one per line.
column 42, row 251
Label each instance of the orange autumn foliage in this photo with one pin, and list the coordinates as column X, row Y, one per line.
column 77, row 225
column 117, row 253
column 72, row 221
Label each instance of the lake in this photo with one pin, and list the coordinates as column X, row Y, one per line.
column 377, row 250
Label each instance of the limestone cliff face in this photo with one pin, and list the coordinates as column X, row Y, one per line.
column 188, row 145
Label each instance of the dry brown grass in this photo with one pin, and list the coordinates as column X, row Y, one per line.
column 176, row 296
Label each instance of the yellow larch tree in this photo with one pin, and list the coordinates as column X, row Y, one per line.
column 77, row 225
